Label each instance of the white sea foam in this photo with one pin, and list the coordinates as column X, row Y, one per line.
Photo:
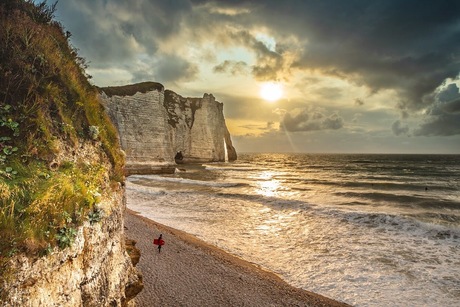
column 148, row 190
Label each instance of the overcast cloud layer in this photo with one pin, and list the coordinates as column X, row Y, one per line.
column 404, row 54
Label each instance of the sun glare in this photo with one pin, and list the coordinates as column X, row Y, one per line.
column 271, row 91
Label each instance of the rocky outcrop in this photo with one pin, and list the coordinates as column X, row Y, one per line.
column 95, row 271
column 198, row 128
column 155, row 124
column 135, row 285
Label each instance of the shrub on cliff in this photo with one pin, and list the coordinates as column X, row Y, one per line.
column 50, row 181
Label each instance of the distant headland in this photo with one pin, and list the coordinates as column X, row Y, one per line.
column 156, row 124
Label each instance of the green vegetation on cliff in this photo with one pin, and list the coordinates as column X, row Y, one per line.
column 130, row 90
column 59, row 151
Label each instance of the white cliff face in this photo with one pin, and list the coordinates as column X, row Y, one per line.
column 141, row 121
column 198, row 127
column 156, row 124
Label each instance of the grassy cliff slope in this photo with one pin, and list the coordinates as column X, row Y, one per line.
column 51, row 178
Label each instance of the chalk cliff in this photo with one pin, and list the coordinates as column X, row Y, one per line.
column 154, row 124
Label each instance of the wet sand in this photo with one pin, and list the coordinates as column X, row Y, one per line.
column 190, row 272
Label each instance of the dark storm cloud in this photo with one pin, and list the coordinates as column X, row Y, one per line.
column 114, row 33
column 409, row 46
column 449, row 99
column 96, row 33
column 452, row 106
column 173, row 68
column 146, row 20
column 166, row 69
column 440, row 125
column 443, row 117
column 309, row 120
column 269, row 62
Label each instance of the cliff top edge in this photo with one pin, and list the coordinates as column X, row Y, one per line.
column 131, row 89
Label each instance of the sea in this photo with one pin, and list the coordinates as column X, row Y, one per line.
column 368, row 230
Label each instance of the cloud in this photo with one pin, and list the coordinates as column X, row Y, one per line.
column 452, row 106
column 260, row 129
column 408, row 47
column 449, row 99
column 398, row 128
column 271, row 126
column 309, row 119
column 172, row 68
column 269, row 64
column 233, row 67
column 126, row 34
column 440, row 125
column 329, row 93
column 280, row 112
column 443, row 118
column 359, row 102
column 167, row 68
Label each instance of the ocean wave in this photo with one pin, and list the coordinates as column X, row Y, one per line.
column 151, row 191
column 438, row 218
column 431, row 225
column 232, row 168
column 385, row 197
column 185, row 181
column 425, row 225
column 365, row 161
column 425, row 201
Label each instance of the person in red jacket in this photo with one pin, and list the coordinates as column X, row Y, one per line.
column 159, row 242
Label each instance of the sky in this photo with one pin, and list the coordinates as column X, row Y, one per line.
column 355, row 76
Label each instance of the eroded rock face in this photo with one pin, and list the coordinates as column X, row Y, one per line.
column 198, row 128
column 95, row 271
column 155, row 124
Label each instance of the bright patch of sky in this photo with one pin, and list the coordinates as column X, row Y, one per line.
column 267, row 40
column 236, row 54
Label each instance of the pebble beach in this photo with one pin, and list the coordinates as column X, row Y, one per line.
column 190, row 272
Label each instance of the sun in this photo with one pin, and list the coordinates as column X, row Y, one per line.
column 271, row 91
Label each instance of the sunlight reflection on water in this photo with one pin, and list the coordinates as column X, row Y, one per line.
column 267, row 185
